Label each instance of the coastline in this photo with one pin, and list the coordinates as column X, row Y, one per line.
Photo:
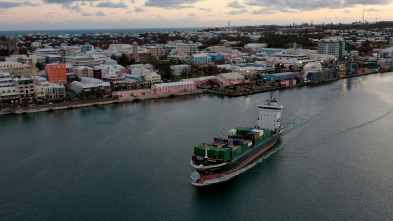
column 87, row 103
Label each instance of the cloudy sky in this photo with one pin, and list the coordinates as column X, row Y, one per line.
column 91, row 14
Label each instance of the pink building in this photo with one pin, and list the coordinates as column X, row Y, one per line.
column 173, row 88
column 230, row 79
column 199, row 81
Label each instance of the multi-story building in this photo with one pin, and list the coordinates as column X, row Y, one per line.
column 84, row 71
column 97, row 82
column 26, row 88
column 189, row 49
column 56, row 73
column 177, row 70
column 8, row 91
column 18, row 69
column 49, row 59
column 334, row 47
column 173, row 88
column 82, row 61
column 200, row 58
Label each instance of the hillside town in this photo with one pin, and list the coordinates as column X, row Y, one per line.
column 42, row 69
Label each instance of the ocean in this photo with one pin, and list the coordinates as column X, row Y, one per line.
column 99, row 31
column 130, row 161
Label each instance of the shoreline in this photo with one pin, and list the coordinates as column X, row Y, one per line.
column 66, row 106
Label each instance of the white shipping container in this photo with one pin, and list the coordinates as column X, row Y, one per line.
column 232, row 132
column 294, row 81
column 287, row 83
column 259, row 131
column 250, row 144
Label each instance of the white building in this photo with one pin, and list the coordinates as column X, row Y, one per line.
column 84, row 71
column 97, row 82
column 177, row 70
column 334, row 47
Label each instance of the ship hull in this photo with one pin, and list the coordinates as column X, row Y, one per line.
column 236, row 164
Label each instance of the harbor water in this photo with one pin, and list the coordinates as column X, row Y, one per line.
column 131, row 161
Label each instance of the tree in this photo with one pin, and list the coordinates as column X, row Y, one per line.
column 40, row 66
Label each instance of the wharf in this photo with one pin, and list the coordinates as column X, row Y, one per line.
column 82, row 104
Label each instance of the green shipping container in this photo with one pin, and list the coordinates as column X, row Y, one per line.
column 225, row 154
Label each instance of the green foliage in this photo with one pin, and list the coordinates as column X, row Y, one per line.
column 40, row 66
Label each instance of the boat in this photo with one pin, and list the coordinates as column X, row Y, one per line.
column 223, row 158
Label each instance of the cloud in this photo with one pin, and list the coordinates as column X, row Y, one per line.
column 205, row 9
column 373, row 10
column 238, row 12
column 235, row 4
column 129, row 12
column 66, row 1
column 83, row 3
column 138, row 9
column 132, row 1
column 170, row 3
column 347, row 12
column 85, row 14
column 111, row 5
column 100, row 13
column 191, row 15
column 6, row 5
column 264, row 11
column 301, row 5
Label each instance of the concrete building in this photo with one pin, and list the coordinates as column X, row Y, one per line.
column 200, row 58
column 9, row 93
column 50, row 59
column 130, row 94
column 177, row 70
column 84, row 71
column 18, row 69
column 188, row 49
column 77, row 61
column 173, row 88
column 97, row 82
column 200, row 80
column 230, row 78
column 78, row 87
column 56, row 73
column 334, row 47
column 26, row 88
column 45, row 51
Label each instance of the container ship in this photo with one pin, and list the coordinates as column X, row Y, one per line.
column 225, row 156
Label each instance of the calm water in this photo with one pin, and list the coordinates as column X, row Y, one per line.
column 99, row 31
column 131, row 161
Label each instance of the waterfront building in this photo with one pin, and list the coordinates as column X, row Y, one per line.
column 97, row 82
column 230, row 78
column 334, row 47
column 173, row 88
column 200, row 80
column 131, row 94
column 26, row 88
column 56, row 73
column 8, row 91
column 43, row 89
column 78, row 87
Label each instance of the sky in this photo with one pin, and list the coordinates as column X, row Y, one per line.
column 105, row 14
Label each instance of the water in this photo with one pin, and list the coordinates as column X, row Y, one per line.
column 131, row 161
column 99, row 31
